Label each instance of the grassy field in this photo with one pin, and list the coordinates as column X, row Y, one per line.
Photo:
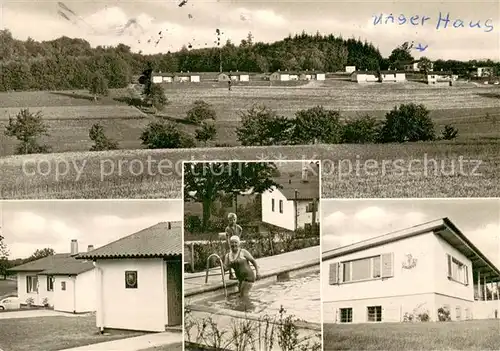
column 69, row 115
column 466, row 335
column 53, row 333
column 157, row 173
column 136, row 173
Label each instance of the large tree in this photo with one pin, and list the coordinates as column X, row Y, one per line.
column 27, row 127
column 400, row 56
column 41, row 253
column 205, row 182
column 4, row 258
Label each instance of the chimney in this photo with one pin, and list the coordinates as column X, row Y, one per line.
column 74, row 247
column 90, row 248
column 305, row 173
column 169, row 225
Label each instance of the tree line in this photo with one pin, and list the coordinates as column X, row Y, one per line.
column 71, row 63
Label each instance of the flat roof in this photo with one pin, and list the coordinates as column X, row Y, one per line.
column 444, row 228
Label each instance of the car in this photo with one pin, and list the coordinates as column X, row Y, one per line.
column 10, row 303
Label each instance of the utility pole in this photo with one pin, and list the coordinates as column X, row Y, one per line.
column 296, row 210
column 218, row 32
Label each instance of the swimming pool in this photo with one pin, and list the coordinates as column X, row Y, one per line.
column 299, row 296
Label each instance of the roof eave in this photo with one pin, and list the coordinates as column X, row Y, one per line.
column 128, row 255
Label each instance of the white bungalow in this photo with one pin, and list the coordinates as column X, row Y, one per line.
column 364, row 76
column 162, row 78
column 139, row 280
column 422, row 270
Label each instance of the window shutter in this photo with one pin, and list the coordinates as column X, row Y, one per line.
column 387, row 265
column 466, row 281
column 449, row 265
column 334, row 276
column 27, row 284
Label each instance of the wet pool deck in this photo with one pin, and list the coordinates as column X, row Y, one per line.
column 194, row 283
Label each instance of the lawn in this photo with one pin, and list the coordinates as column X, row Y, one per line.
column 53, row 333
column 135, row 173
column 466, row 335
column 376, row 170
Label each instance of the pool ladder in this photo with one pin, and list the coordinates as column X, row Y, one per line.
column 221, row 271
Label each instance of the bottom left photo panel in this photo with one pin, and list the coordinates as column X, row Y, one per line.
column 91, row 275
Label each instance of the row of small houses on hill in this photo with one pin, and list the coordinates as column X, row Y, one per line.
column 431, row 78
column 196, row 77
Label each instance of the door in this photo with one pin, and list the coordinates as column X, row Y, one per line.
column 174, row 292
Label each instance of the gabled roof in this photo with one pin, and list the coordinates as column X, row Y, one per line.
column 439, row 73
column 155, row 241
column 234, row 73
column 293, row 181
column 299, row 72
column 57, row 264
column 444, row 228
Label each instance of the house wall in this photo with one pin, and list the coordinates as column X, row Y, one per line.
column 393, row 77
column 65, row 300
column 244, row 78
column 284, row 77
column 485, row 309
column 303, row 216
column 195, row 79
column 444, row 285
column 419, row 280
column 393, row 308
column 167, row 79
column 284, row 220
column 134, row 309
column 460, row 309
column 320, row 76
column 350, row 69
column 86, row 292
column 363, row 78
column 157, row 79
column 37, row 297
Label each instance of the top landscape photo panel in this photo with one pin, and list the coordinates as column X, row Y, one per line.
column 105, row 100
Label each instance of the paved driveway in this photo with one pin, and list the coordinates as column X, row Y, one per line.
column 36, row 313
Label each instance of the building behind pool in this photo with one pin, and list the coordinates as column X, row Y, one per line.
column 426, row 269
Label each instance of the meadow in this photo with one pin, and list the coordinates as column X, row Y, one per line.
column 465, row 335
column 466, row 166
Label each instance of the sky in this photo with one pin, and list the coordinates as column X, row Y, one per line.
column 31, row 225
column 348, row 221
column 195, row 23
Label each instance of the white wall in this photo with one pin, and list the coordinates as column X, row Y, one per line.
column 134, row 309
column 320, row 76
column 284, row 77
column 195, row 79
column 303, row 216
column 418, row 280
column 485, row 309
column 157, row 79
column 86, row 292
column 444, row 285
column 393, row 308
column 464, row 307
column 284, row 220
column 37, row 297
column 64, row 300
column 244, row 78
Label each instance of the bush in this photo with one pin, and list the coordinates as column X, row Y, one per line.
column 163, row 134
column 444, row 314
column 261, row 126
column 206, row 132
column 409, row 122
column 449, row 132
column 27, row 127
column 201, row 111
column 317, row 125
column 101, row 141
column 360, row 130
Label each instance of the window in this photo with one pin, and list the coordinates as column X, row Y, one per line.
column 310, row 207
column 63, row 286
column 457, row 271
column 281, row 206
column 130, row 279
column 363, row 269
column 374, row 314
column 458, row 313
column 32, row 284
column 272, row 205
column 346, row 315
column 50, row 283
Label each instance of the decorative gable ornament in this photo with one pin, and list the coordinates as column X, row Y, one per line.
column 410, row 262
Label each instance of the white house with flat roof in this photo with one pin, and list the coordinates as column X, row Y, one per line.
column 414, row 271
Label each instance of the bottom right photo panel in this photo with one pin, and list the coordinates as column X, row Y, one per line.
column 410, row 274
